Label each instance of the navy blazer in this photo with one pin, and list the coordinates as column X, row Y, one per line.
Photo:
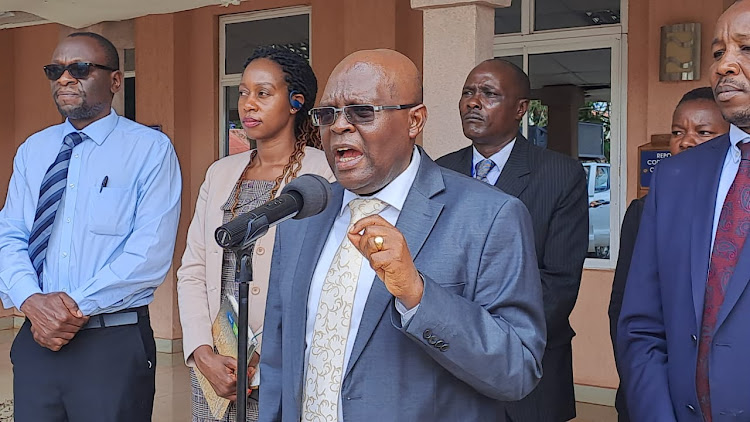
column 482, row 299
column 662, row 310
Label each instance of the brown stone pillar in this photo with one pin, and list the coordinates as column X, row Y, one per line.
column 163, row 98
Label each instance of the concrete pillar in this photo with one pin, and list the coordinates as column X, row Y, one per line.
column 8, row 141
column 162, row 53
column 563, row 101
column 7, row 138
column 458, row 35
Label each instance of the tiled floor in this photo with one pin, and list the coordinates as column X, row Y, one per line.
column 172, row 401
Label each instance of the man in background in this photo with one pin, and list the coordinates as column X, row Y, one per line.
column 494, row 99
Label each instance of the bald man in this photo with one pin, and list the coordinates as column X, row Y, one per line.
column 415, row 295
column 494, row 99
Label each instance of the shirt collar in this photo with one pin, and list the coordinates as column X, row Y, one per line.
column 499, row 158
column 394, row 193
column 737, row 135
column 98, row 131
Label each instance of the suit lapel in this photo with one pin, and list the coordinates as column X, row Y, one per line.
column 515, row 175
column 224, row 184
column 737, row 284
column 416, row 220
column 463, row 163
column 706, row 188
column 316, row 234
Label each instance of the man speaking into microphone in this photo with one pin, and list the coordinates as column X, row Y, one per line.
column 415, row 295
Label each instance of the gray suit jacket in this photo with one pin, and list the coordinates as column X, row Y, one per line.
column 478, row 336
column 553, row 188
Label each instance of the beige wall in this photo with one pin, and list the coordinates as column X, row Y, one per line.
column 27, row 105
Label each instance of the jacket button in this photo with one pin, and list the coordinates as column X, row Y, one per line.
column 444, row 347
column 255, row 290
column 427, row 334
column 261, row 250
column 690, row 406
column 432, row 340
column 439, row 343
column 694, row 338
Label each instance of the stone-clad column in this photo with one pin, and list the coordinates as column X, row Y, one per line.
column 458, row 35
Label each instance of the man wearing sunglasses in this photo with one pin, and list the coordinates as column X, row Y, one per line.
column 86, row 235
column 415, row 295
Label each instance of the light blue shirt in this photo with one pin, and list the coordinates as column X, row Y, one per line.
column 728, row 173
column 500, row 158
column 394, row 194
column 110, row 247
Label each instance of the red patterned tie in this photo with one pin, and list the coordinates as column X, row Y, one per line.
column 733, row 227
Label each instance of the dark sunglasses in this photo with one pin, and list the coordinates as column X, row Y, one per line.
column 78, row 70
column 355, row 114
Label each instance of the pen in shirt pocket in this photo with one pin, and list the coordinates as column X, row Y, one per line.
column 104, row 183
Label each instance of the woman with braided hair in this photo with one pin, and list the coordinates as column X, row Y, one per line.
column 277, row 90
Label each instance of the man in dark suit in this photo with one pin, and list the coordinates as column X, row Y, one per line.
column 553, row 188
column 696, row 119
column 683, row 341
column 415, row 295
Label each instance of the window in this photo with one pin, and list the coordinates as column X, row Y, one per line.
column 508, row 19
column 528, row 16
column 559, row 14
column 577, row 70
column 239, row 36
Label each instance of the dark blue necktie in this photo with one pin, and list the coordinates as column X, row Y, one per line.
column 50, row 194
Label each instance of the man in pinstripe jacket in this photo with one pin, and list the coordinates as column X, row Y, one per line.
column 494, row 99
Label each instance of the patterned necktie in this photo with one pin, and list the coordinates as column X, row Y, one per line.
column 325, row 367
column 731, row 232
column 483, row 168
column 50, row 194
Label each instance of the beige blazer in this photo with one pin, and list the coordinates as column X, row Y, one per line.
column 199, row 277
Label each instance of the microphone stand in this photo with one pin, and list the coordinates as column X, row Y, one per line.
column 243, row 274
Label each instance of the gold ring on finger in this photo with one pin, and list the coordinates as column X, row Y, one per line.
column 378, row 240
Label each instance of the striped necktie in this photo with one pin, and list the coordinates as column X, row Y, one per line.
column 483, row 169
column 50, row 194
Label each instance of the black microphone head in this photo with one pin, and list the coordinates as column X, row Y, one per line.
column 315, row 192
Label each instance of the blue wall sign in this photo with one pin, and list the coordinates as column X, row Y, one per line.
column 649, row 160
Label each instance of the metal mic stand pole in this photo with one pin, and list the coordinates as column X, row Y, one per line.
column 244, row 275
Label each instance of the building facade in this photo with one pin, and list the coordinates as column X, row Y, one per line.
column 594, row 67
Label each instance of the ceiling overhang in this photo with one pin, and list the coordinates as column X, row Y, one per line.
column 83, row 13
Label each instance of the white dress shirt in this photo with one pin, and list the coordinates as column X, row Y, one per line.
column 500, row 158
column 394, row 194
column 728, row 173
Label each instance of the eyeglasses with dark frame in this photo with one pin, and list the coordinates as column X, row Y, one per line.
column 355, row 113
column 78, row 70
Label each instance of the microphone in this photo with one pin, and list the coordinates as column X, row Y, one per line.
column 303, row 197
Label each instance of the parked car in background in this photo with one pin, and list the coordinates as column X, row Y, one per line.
column 599, row 190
